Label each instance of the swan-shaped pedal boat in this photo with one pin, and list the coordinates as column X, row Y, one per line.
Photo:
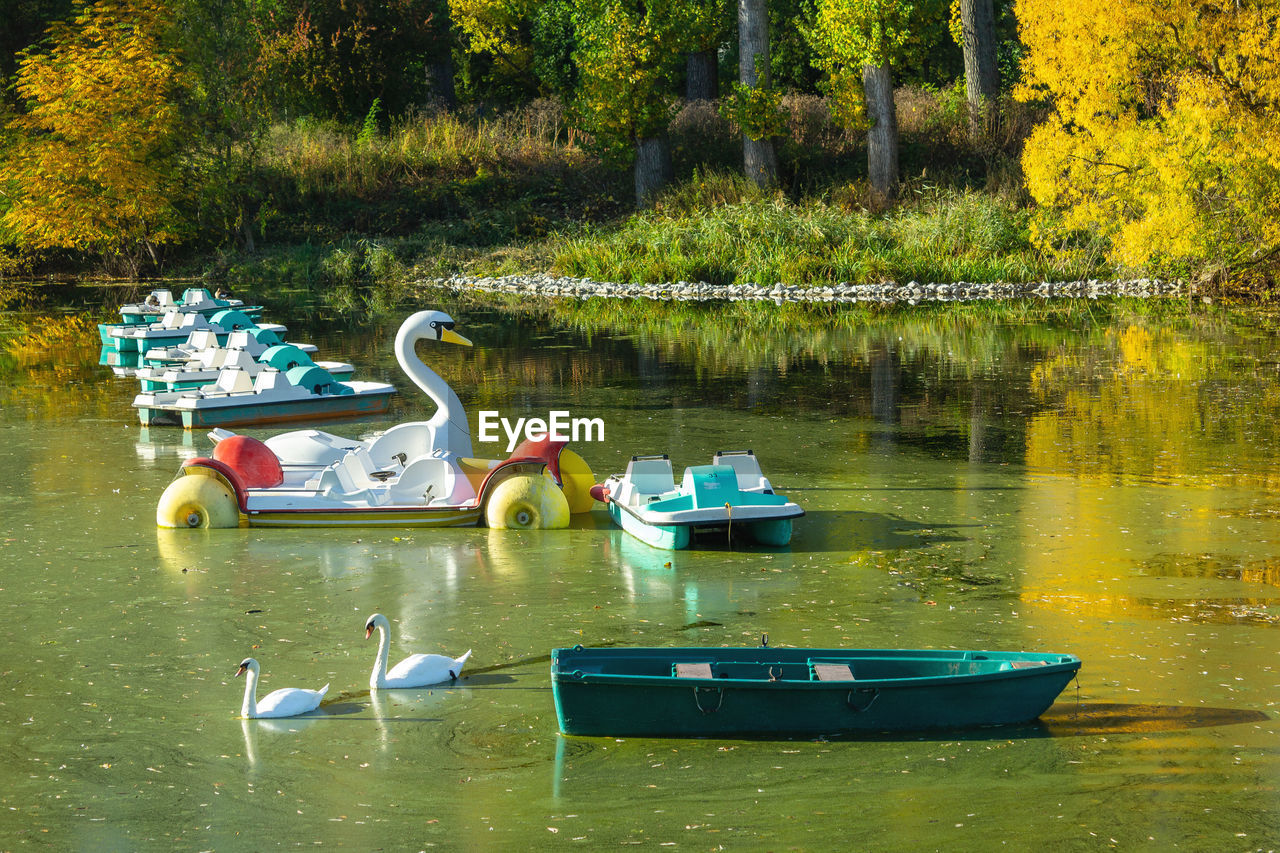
column 416, row 474
column 730, row 496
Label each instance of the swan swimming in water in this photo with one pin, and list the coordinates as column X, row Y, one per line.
column 413, row 671
column 285, row 702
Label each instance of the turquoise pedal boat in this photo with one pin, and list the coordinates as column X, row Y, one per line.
column 176, row 326
column 195, row 300
column 802, row 693
column 205, row 369
column 301, row 393
column 730, row 497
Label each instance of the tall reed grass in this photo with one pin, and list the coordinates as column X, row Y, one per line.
column 945, row 235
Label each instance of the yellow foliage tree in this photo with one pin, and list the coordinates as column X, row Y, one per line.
column 1165, row 135
column 499, row 28
column 94, row 165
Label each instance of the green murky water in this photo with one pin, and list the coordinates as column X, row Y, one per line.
column 1105, row 487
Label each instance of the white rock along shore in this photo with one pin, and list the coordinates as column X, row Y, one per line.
column 541, row 284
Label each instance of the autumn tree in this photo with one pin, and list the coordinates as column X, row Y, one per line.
column 628, row 55
column 1165, row 134
column 530, row 42
column 24, row 24
column 332, row 58
column 97, row 164
column 856, row 42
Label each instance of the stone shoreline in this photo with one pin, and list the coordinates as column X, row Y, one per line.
column 911, row 293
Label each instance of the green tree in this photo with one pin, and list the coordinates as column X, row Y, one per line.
column 530, row 44
column 856, row 42
column 97, row 162
column 629, row 54
column 332, row 58
column 227, row 107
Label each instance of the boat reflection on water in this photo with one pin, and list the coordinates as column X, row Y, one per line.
column 403, row 561
column 122, row 364
column 151, row 446
column 698, row 579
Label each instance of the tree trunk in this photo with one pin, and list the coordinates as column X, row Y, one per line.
column 981, row 76
column 759, row 160
column 653, row 168
column 702, row 76
column 440, row 80
column 882, row 138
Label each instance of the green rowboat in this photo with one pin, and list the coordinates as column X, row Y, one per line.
column 777, row 692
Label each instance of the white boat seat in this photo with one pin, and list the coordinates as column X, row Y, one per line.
column 215, row 358
column 349, row 478
column 268, row 380
column 164, row 298
column 363, row 472
column 201, row 339
column 691, row 670
column 747, row 468
column 403, row 443
column 651, row 476
column 424, row 481
column 233, row 380
column 239, row 358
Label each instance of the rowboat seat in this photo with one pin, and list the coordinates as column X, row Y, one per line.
column 832, row 672
column 691, row 670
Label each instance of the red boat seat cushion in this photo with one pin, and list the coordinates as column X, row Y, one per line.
column 257, row 466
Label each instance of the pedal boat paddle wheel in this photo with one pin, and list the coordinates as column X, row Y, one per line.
column 416, row 474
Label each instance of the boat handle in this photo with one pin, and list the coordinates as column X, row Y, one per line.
column 871, row 694
column 698, row 702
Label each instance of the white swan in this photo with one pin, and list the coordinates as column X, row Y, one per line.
column 285, row 702
column 413, row 671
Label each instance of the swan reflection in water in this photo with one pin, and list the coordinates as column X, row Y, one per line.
column 271, row 727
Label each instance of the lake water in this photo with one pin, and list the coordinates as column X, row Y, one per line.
column 1101, row 482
